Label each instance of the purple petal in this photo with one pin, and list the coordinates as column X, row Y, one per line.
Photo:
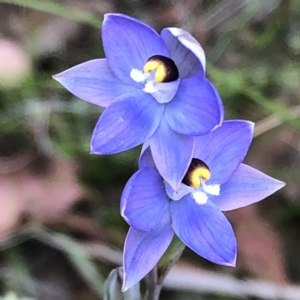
column 94, row 82
column 128, row 44
column 126, row 123
column 196, row 109
column 224, row 148
column 246, row 186
column 205, row 230
column 142, row 251
column 172, row 153
column 186, row 52
column 146, row 159
column 144, row 204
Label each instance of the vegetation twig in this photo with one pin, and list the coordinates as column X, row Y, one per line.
column 274, row 121
column 188, row 278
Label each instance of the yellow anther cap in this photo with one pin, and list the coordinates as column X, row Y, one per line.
column 197, row 170
column 164, row 67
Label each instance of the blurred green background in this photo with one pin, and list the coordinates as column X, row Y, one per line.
column 60, row 229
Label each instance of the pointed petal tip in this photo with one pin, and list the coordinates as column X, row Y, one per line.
column 56, row 77
column 175, row 184
column 176, row 187
column 60, row 77
column 280, row 184
column 106, row 17
column 124, row 287
column 116, row 15
column 226, row 261
column 251, row 125
column 276, row 185
column 94, row 151
column 231, row 263
column 127, row 285
column 60, row 74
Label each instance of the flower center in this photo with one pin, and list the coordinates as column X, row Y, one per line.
column 164, row 68
column 160, row 78
column 198, row 173
column 194, row 183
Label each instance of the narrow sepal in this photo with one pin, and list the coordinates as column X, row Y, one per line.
column 185, row 51
column 144, row 204
column 205, row 230
column 128, row 44
column 196, row 109
column 142, row 251
column 94, row 82
column 224, row 149
column 246, row 186
column 172, row 153
column 124, row 124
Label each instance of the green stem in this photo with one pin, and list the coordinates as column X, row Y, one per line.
column 153, row 287
column 59, row 10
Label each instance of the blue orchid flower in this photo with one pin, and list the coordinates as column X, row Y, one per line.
column 155, row 90
column 216, row 181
